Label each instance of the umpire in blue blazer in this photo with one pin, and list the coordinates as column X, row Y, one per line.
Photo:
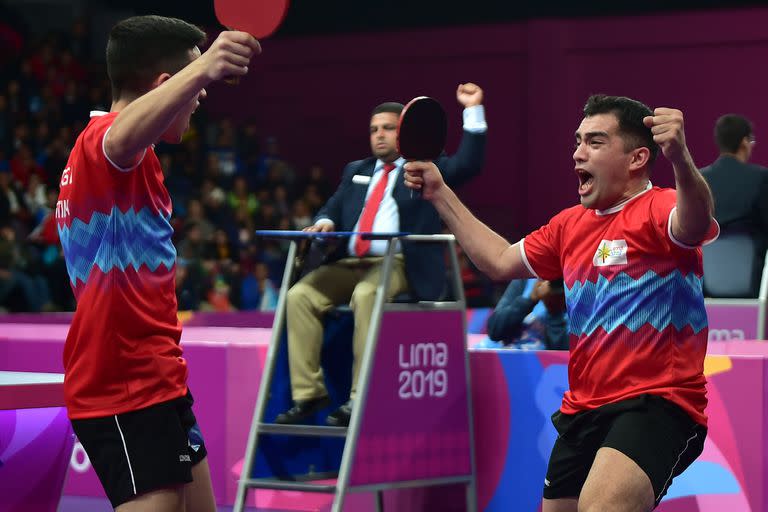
column 372, row 197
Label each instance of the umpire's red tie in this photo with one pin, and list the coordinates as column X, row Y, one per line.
column 369, row 212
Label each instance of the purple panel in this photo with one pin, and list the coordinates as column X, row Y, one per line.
column 728, row 322
column 35, row 318
column 35, row 446
column 228, row 319
column 415, row 424
column 208, row 383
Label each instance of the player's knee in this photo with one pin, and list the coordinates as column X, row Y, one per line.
column 612, row 502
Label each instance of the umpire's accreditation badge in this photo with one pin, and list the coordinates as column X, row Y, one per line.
column 610, row 252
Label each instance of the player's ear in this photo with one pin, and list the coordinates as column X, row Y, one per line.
column 640, row 158
column 160, row 79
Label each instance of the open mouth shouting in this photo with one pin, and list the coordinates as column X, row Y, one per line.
column 586, row 181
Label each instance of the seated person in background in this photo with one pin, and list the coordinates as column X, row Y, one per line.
column 372, row 197
column 531, row 316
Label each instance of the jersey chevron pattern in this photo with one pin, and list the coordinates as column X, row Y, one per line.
column 122, row 351
column 635, row 305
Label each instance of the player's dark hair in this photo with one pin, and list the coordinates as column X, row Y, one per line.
column 630, row 114
column 141, row 47
column 730, row 130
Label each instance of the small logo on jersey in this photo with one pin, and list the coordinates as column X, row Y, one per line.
column 184, row 458
column 546, row 483
column 610, row 252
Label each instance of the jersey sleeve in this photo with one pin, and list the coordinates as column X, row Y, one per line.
column 101, row 129
column 663, row 207
column 541, row 249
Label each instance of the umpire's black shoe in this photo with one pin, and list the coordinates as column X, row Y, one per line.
column 340, row 417
column 302, row 411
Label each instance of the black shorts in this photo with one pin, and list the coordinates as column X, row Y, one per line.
column 655, row 433
column 140, row 451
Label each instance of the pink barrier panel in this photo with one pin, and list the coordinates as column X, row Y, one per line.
column 415, row 425
column 35, row 442
column 732, row 322
column 225, row 370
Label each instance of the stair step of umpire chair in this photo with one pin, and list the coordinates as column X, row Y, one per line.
column 287, row 485
column 302, row 430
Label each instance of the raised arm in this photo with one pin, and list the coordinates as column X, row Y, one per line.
column 469, row 158
column 493, row 255
column 692, row 219
column 143, row 121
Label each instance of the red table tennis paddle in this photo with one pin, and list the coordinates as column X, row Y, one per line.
column 422, row 130
column 260, row 18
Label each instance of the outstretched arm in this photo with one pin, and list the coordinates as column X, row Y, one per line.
column 493, row 255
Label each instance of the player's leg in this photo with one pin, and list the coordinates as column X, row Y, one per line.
column 645, row 448
column 616, row 483
column 560, row 505
column 199, row 494
column 161, row 500
column 579, row 437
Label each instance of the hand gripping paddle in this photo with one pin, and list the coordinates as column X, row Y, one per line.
column 422, row 130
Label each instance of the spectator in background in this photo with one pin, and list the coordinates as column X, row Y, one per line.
column 10, row 199
column 257, row 290
column 221, row 248
column 319, row 181
column 23, row 165
column 192, row 247
column 531, row 316
column 196, row 216
column 22, row 285
column 189, row 284
column 270, row 154
column 240, row 197
column 36, row 199
column 280, row 200
column 301, row 217
column 314, row 198
column 740, row 189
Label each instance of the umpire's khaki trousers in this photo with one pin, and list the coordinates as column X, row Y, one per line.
column 352, row 280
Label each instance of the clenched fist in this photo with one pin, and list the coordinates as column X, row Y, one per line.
column 666, row 125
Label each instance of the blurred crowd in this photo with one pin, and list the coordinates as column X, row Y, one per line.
column 225, row 181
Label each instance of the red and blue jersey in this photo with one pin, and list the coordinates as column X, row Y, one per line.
column 635, row 304
column 122, row 351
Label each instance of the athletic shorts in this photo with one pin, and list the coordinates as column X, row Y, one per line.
column 652, row 431
column 144, row 450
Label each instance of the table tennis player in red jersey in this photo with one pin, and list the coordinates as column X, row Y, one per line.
column 125, row 380
column 630, row 257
